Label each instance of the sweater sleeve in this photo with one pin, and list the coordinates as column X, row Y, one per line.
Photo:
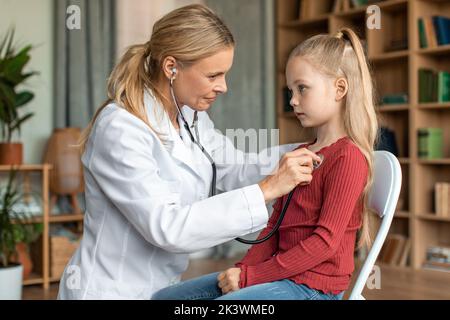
column 262, row 251
column 343, row 186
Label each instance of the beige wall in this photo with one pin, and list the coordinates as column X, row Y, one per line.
column 34, row 25
column 135, row 19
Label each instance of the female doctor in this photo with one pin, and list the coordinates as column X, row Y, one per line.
column 150, row 178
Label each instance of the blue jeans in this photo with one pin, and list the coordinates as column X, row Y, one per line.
column 206, row 288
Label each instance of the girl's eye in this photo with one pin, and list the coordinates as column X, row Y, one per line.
column 301, row 88
column 213, row 77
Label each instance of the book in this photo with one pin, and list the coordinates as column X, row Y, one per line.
column 405, row 253
column 395, row 98
column 430, row 32
column 443, row 86
column 359, row 3
column 422, row 35
column 430, row 143
column 425, row 85
column 392, row 250
column 442, row 29
column 387, row 141
column 442, row 195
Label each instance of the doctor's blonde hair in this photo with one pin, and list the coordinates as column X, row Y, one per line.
column 188, row 34
column 342, row 55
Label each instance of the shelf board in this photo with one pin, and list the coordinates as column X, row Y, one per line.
column 389, row 55
column 392, row 107
column 432, row 217
column 360, row 11
column 434, row 105
column 439, row 50
column 69, row 217
column 25, row 167
column 306, row 22
column 55, row 218
column 33, row 279
column 444, row 161
column 402, row 214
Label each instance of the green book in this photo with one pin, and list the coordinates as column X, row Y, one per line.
column 443, row 86
column 430, row 143
column 422, row 36
column 425, row 85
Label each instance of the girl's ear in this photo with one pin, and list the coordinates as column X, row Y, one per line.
column 341, row 88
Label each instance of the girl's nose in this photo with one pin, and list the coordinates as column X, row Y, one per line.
column 293, row 102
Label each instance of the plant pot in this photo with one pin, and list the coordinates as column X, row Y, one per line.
column 23, row 257
column 11, row 282
column 11, row 153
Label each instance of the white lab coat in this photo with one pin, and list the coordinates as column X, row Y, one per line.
column 147, row 204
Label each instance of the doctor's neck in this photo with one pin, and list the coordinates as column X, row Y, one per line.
column 168, row 104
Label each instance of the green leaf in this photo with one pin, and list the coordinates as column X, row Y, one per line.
column 19, row 122
column 23, row 98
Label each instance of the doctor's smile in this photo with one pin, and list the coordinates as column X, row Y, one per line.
column 157, row 190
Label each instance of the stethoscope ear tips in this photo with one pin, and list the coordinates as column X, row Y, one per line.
column 317, row 164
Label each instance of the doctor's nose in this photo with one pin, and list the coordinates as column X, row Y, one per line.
column 221, row 87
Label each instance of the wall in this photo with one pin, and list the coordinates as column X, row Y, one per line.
column 33, row 21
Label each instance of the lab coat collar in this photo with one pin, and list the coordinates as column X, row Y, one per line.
column 160, row 122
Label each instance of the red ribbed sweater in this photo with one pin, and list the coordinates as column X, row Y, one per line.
column 316, row 240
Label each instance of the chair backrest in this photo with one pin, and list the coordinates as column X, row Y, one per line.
column 383, row 199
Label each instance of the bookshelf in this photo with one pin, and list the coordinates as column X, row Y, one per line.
column 395, row 56
column 41, row 274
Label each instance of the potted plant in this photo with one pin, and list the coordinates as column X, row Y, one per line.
column 14, row 231
column 12, row 63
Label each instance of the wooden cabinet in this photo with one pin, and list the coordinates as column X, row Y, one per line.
column 44, row 276
column 395, row 57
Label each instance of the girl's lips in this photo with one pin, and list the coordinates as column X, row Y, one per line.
column 299, row 114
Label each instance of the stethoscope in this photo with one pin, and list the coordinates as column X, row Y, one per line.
column 214, row 169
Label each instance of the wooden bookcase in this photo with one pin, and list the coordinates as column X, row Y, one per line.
column 394, row 71
column 44, row 277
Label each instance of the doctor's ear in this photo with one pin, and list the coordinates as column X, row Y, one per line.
column 169, row 66
column 341, row 88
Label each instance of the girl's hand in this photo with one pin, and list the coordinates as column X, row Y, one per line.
column 229, row 280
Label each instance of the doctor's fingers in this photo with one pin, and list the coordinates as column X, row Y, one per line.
column 303, row 160
column 303, row 152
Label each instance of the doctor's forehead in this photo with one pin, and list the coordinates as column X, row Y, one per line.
column 219, row 62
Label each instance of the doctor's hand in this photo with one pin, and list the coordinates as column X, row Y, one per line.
column 229, row 280
column 295, row 168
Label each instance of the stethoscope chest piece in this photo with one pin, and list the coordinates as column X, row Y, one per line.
column 317, row 164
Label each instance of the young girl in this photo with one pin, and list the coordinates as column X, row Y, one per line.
column 311, row 255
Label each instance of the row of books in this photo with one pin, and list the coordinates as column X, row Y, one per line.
column 430, row 145
column 434, row 86
column 395, row 250
column 437, row 258
column 311, row 8
column 434, row 31
column 441, row 199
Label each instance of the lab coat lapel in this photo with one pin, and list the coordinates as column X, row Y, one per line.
column 160, row 121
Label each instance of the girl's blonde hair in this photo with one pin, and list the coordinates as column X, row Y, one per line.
column 342, row 55
column 188, row 34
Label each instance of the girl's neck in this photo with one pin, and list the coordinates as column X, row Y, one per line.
column 329, row 133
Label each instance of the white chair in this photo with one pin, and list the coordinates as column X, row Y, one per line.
column 383, row 199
